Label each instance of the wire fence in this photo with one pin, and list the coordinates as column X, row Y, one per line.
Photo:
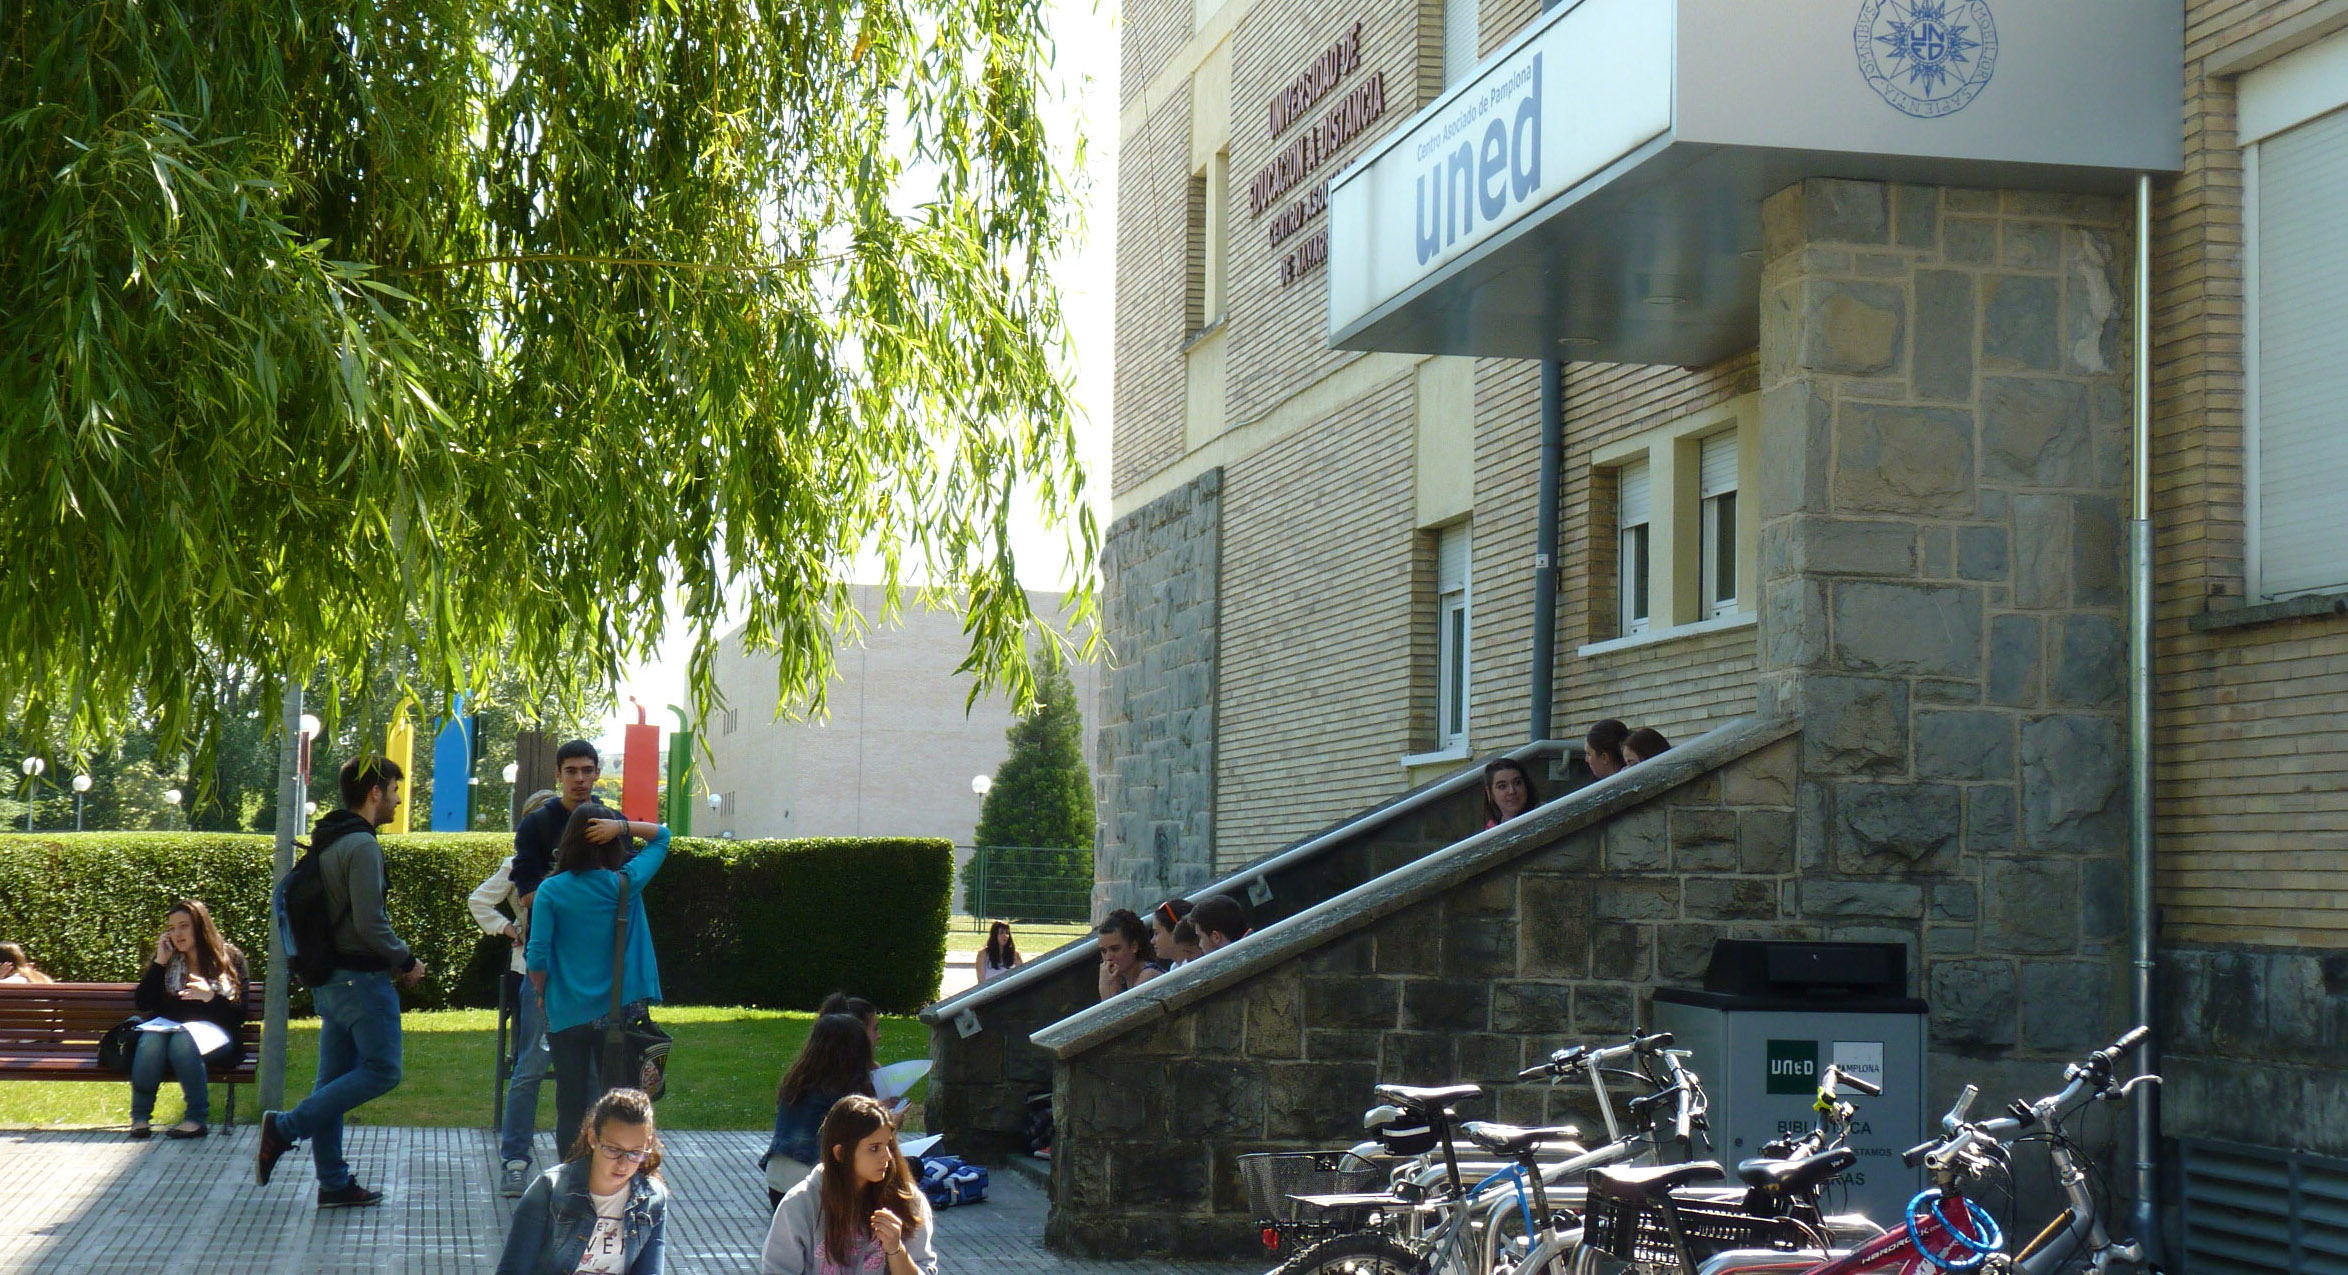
column 1026, row 883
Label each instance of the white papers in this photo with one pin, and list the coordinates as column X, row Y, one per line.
column 915, row 1148
column 897, row 1079
column 208, row 1036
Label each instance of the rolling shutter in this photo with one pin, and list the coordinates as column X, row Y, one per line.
column 2301, row 373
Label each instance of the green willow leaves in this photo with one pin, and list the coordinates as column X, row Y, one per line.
column 485, row 323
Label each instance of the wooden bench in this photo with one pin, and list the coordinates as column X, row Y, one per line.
column 50, row 1031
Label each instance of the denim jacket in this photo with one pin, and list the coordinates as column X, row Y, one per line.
column 556, row 1216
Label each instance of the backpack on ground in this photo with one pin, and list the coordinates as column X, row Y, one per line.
column 305, row 920
column 947, row 1180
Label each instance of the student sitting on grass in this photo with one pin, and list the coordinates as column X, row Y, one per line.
column 603, row 1211
column 859, row 1210
column 1001, row 955
column 836, row 1061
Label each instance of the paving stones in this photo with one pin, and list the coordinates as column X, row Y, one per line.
column 99, row 1198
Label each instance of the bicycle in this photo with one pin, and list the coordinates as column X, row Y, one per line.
column 1416, row 1231
column 1930, row 1239
column 1652, row 1217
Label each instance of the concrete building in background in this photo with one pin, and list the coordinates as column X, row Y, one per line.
column 897, row 754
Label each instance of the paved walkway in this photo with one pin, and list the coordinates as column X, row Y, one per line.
column 88, row 1202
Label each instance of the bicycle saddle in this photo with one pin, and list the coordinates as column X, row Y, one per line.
column 1509, row 1139
column 1795, row 1176
column 1636, row 1186
column 1441, row 1096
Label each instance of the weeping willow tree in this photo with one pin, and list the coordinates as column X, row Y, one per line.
column 490, row 322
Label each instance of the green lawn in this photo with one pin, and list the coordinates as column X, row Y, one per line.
column 722, row 1074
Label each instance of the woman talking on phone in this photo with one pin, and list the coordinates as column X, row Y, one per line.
column 193, row 995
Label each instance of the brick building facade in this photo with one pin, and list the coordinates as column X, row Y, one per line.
column 1931, row 429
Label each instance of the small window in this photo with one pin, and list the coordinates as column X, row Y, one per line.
column 1635, row 511
column 1718, row 489
column 1451, row 638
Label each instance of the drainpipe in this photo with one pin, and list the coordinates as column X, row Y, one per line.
column 2140, row 839
column 1545, row 546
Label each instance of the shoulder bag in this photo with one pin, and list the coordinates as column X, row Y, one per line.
column 635, row 1054
column 116, row 1046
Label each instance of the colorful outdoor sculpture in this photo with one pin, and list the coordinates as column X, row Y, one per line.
column 453, row 754
column 640, row 768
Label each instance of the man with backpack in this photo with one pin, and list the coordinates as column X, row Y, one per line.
column 341, row 945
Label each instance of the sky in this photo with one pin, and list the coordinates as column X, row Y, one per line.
column 1084, row 79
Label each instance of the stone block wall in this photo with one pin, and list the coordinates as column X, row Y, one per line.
column 1562, row 943
column 979, row 1084
column 2253, row 1040
column 1155, row 762
column 1942, row 554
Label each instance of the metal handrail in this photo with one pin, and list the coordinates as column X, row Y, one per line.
column 1079, row 950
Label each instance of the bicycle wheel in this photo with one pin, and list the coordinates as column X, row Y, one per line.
column 1360, row 1253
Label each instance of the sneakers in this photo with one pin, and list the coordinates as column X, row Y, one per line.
column 273, row 1146
column 515, row 1179
column 350, row 1196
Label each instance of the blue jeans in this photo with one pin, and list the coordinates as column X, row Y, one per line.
column 174, row 1051
column 531, row 1059
column 358, row 1062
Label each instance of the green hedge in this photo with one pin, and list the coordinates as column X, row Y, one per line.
column 770, row 924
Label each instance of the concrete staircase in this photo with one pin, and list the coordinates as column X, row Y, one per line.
column 985, row 1064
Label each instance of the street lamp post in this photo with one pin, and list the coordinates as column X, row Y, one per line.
column 81, row 792
column 33, row 766
column 513, row 775
column 172, row 796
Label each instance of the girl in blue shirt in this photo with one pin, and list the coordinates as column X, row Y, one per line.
column 571, row 923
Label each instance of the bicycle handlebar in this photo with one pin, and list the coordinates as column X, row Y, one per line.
column 1955, row 1118
column 1683, row 1119
column 2103, row 1060
column 1651, row 1045
column 1836, row 1076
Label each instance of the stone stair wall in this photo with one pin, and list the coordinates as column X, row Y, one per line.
column 979, row 1084
column 1466, row 965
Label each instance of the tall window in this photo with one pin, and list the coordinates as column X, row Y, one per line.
column 1459, row 39
column 1635, row 508
column 1208, row 283
column 1451, row 637
column 2294, row 129
column 1717, row 487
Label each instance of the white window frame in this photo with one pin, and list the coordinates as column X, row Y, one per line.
column 1454, row 644
column 1678, row 581
column 1717, row 503
column 2296, row 89
column 1634, row 554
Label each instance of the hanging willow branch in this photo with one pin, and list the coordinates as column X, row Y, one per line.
column 479, row 323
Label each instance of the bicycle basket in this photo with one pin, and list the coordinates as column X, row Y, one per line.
column 1272, row 1177
column 1638, row 1233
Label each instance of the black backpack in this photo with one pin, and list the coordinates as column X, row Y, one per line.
column 305, row 920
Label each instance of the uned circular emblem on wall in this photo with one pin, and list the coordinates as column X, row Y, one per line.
column 1929, row 58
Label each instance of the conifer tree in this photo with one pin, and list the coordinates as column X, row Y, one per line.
column 1041, row 802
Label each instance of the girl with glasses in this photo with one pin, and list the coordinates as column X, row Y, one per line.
column 601, row 1212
